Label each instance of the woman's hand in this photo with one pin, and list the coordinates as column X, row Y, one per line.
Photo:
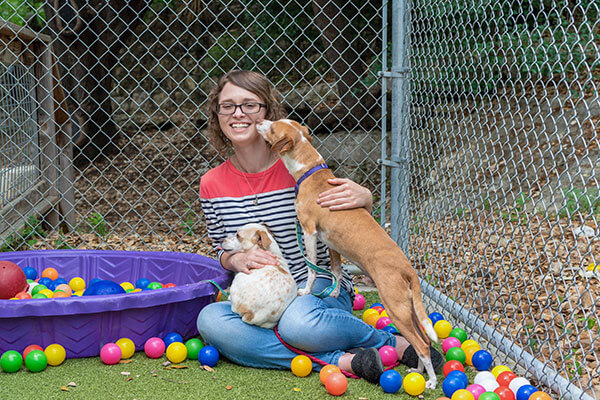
column 345, row 195
column 248, row 261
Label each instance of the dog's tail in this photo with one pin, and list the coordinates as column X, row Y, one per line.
column 423, row 322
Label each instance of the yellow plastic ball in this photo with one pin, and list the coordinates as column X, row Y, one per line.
column 176, row 352
column 127, row 285
column 301, row 366
column 372, row 319
column 384, row 314
column 443, row 328
column 47, row 292
column 469, row 343
column 136, row 290
column 77, row 284
column 355, row 290
column 369, row 311
column 127, row 347
column 469, row 351
column 498, row 369
column 78, row 293
column 414, row 384
column 462, row 394
column 55, row 354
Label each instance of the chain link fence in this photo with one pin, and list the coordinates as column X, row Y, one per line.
column 493, row 118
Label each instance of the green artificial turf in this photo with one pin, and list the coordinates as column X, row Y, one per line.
column 149, row 379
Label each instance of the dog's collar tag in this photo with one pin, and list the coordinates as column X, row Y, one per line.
column 309, row 173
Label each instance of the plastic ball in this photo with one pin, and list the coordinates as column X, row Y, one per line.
column 390, row 381
column 36, row 361
column 45, row 281
column 55, row 354
column 456, row 353
column 489, row 395
column 476, row 390
column 482, row 360
column 12, row 280
column 78, row 293
column 127, row 347
column 142, row 283
column 50, row 273
column 376, row 305
column 39, row 296
column 193, row 348
column 379, row 309
column 453, row 365
column 110, row 353
column 498, row 369
column 169, row 285
column 47, row 292
column 127, row 285
column 154, row 347
column 483, row 376
column 450, row 342
column 367, row 313
column 172, row 337
column 336, row 384
column 11, row 361
column 31, row 347
column 301, row 366
column 154, row 285
column 65, row 288
column 469, row 343
column 414, row 384
column 505, row 377
column 94, row 281
column 504, row 393
column 208, row 355
column 383, row 322
column 59, row 281
column 460, row 375
column 462, row 394
column 102, row 288
column 490, row 385
column 373, row 318
column 384, row 314
column 77, row 284
column 435, row 317
column 326, row 371
column 442, row 328
column 359, row 302
column 451, row 384
column 525, row 392
column 30, row 273
column 469, row 352
column 390, row 328
column 37, row 288
column 540, row 396
column 458, row 333
column 516, row 384
column 23, row 296
column 388, row 354
column 176, row 352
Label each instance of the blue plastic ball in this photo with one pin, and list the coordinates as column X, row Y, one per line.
column 172, row 337
column 59, row 281
column 451, row 384
column 30, row 273
column 93, row 281
column 390, row 329
column 435, row 317
column 103, row 288
column 209, row 356
column 525, row 392
column 482, row 360
column 376, row 304
column 460, row 375
column 142, row 283
column 46, row 282
column 390, row 381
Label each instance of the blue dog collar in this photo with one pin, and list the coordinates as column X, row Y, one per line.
column 309, row 173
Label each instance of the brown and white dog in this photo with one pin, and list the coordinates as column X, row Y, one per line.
column 263, row 295
column 355, row 235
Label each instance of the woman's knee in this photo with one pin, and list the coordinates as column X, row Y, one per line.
column 210, row 319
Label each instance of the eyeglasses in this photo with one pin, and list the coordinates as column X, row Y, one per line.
column 247, row 108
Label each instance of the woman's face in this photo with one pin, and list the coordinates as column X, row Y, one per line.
column 239, row 110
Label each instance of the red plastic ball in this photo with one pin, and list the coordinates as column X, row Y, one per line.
column 30, row 348
column 336, row 383
column 379, row 309
column 453, row 365
column 505, row 377
column 12, row 280
column 505, row 393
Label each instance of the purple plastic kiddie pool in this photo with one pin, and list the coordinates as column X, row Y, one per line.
column 82, row 325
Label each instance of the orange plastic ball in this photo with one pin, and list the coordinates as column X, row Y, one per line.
column 469, row 351
column 22, row 296
column 539, row 396
column 326, row 371
column 372, row 319
column 60, row 294
column 50, row 273
column 65, row 288
column 301, row 366
column 367, row 313
column 336, row 383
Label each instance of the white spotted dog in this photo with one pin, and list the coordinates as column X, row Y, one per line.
column 263, row 295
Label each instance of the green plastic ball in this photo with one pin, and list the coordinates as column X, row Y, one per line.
column 154, row 285
column 36, row 289
column 36, row 361
column 39, row 296
column 458, row 333
column 489, row 396
column 456, row 353
column 193, row 347
column 11, row 361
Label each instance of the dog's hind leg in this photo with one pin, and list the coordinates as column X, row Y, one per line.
column 310, row 243
column 336, row 270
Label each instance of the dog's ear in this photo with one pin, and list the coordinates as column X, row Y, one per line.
column 306, row 134
column 282, row 146
column 263, row 240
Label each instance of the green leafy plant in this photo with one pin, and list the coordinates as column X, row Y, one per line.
column 518, row 212
column 21, row 12
column 97, row 225
column 583, row 201
column 189, row 221
column 61, row 242
column 29, row 235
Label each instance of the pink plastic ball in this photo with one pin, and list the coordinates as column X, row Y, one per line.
column 476, row 390
column 383, row 322
column 450, row 342
column 388, row 355
column 110, row 353
column 359, row 302
column 154, row 347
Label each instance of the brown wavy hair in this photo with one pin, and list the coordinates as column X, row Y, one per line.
column 251, row 81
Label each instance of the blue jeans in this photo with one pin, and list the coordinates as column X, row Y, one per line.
column 324, row 328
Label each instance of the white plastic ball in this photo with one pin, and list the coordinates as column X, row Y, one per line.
column 483, row 376
column 516, row 384
column 490, row 385
column 31, row 286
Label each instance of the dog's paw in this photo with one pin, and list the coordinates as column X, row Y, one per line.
column 303, row 292
column 417, row 370
column 431, row 384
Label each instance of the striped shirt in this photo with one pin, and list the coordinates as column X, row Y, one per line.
column 227, row 201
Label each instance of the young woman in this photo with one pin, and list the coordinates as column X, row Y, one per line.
column 253, row 185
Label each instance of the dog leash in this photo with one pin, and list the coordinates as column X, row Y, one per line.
column 221, row 291
column 328, row 290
